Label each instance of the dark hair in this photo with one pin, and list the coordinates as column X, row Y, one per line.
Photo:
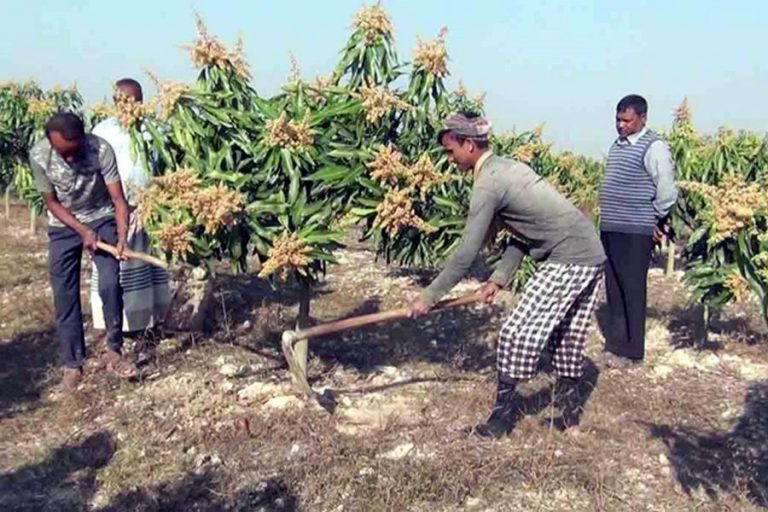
column 69, row 125
column 468, row 114
column 635, row 102
column 131, row 84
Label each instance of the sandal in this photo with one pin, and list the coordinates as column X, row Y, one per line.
column 118, row 365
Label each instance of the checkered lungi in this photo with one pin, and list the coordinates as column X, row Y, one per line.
column 555, row 308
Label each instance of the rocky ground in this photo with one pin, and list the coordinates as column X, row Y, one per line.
column 214, row 424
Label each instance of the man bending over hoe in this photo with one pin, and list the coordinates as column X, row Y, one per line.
column 557, row 303
column 77, row 176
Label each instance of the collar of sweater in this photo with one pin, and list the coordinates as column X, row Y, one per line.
column 632, row 139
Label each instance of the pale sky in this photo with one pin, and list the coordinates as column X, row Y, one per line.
column 565, row 63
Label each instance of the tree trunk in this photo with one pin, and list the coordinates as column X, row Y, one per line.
column 32, row 221
column 192, row 301
column 301, row 349
column 7, row 202
column 705, row 320
column 670, row 257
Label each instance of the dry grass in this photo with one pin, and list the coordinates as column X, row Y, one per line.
column 692, row 436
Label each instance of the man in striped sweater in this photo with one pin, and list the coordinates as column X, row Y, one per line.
column 637, row 194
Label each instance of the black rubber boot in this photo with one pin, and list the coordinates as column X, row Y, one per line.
column 505, row 413
column 569, row 398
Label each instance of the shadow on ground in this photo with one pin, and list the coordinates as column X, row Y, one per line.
column 247, row 307
column 724, row 462
column 686, row 327
column 200, row 492
column 460, row 338
column 686, row 324
column 24, row 364
column 450, row 337
column 66, row 480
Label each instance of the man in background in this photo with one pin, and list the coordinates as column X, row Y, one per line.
column 636, row 197
column 146, row 293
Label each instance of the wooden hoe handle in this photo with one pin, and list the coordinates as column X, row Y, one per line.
column 134, row 255
column 358, row 321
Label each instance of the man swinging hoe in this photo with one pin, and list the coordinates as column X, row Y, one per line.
column 556, row 306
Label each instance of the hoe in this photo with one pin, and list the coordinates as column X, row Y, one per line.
column 295, row 355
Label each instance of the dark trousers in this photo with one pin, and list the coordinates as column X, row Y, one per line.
column 66, row 251
column 626, row 277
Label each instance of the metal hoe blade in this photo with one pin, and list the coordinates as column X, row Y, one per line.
column 299, row 374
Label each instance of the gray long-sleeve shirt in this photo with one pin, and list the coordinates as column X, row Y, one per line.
column 548, row 226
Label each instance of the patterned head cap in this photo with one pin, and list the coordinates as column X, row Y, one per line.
column 466, row 126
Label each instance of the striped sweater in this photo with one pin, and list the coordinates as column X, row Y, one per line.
column 628, row 191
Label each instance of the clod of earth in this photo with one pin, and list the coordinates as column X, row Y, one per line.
column 398, row 452
column 259, row 390
column 230, row 370
column 663, row 371
column 284, row 402
column 376, row 412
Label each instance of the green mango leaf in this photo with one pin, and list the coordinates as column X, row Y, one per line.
column 328, row 173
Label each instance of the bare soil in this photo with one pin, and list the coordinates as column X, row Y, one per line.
column 213, row 423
